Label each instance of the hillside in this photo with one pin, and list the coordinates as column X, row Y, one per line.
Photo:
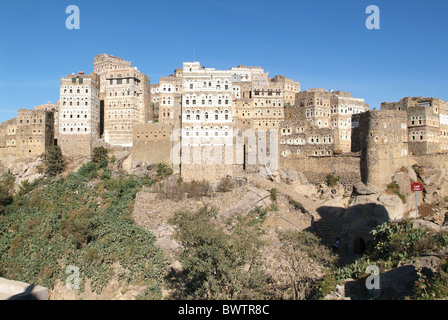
column 81, row 220
column 153, row 236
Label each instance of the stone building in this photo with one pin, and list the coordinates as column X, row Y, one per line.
column 26, row 137
column 300, row 139
column 328, row 109
column 8, row 141
column 125, row 99
column 103, row 64
column 54, row 108
column 79, row 113
column 126, row 104
column 261, row 103
column 288, row 87
column 165, row 92
column 207, row 123
column 427, row 120
column 382, row 138
column 35, row 132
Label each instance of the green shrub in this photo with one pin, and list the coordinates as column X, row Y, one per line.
column 394, row 187
column 163, row 170
column 6, row 190
column 436, row 287
column 99, row 154
column 300, row 252
column 274, row 194
column 196, row 189
column 332, row 180
column 257, row 216
column 214, row 262
column 53, row 161
column 400, row 241
column 297, row 205
column 88, row 171
column 225, row 185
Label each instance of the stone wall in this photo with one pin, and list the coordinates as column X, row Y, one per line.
column 437, row 160
column 316, row 169
column 152, row 143
column 74, row 146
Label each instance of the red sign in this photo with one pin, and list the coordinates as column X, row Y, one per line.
column 417, row 186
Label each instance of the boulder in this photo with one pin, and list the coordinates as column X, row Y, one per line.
column 398, row 283
column 433, row 176
column 404, row 181
column 365, row 199
column 291, row 176
column 394, row 206
column 361, row 189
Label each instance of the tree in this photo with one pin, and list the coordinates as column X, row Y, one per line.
column 216, row 264
column 99, row 154
column 302, row 261
column 54, row 161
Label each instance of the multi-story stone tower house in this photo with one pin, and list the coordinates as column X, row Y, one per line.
column 8, row 141
column 126, row 103
column 343, row 107
column 299, row 140
column 79, row 113
column 207, row 130
column 261, row 104
column 165, row 93
column 427, row 123
column 328, row 109
column 103, row 64
column 288, row 87
column 35, row 132
column 54, row 108
column 26, row 137
column 125, row 99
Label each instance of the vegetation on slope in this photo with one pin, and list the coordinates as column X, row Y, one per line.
column 82, row 220
column 395, row 244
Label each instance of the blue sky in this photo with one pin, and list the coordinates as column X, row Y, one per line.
column 321, row 43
